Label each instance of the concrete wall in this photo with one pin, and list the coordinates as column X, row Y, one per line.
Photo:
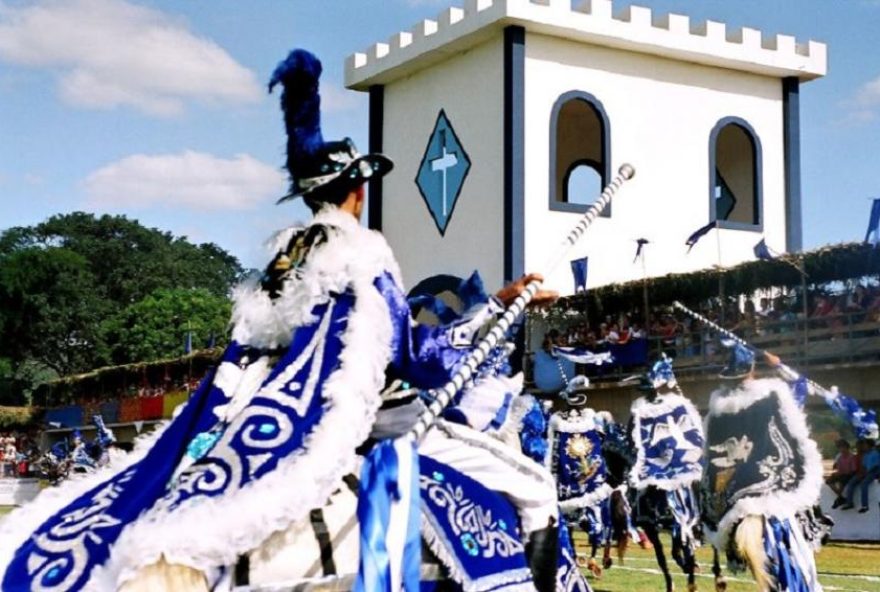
column 469, row 88
column 661, row 113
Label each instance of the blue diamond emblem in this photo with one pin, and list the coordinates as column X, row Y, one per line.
column 441, row 175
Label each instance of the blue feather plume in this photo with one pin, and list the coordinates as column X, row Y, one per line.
column 301, row 104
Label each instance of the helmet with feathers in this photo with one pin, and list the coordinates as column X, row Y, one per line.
column 319, row 171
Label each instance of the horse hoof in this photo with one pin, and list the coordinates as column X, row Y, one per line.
column 692, row 588
column 594, row 568
column 720, row 585
column 581, row 560
column 607, row 563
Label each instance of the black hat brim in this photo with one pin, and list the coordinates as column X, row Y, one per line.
column 350, row 177
column 728, row 373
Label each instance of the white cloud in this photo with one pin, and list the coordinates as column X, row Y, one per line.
column 869, row 95
column 192, row 179
column 111, row 52
column 864, row 106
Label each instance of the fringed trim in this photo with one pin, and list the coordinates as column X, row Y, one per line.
column 21, row 523
column 267, row 323
column 587, row 500
column 516, row 581
column 440, row 551
column 780, row 504
column 666, row 403
column 239, row 522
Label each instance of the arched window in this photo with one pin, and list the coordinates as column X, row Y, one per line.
column 580, row 153
column 735, row 175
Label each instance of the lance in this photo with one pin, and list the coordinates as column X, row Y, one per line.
column 825, row 393
column 443, row 396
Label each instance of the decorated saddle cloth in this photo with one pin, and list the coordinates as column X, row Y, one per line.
column 473, row 531
column 575, row 459
column 667, row 434
column 293, row 397
column 760, row 458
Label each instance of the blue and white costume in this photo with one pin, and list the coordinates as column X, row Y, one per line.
column 762, row 473
column 667, row 436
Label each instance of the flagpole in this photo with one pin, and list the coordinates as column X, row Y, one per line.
column 645, row 291
column 806, row 333
column 720, row 270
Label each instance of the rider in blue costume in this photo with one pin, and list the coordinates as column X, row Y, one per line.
column 270, row 433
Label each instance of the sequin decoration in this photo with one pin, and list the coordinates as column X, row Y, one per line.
column 470, row 544
column 201, row 444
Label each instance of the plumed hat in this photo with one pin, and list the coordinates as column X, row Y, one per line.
column 316, row 167
column 740, row 363
column 661, row 373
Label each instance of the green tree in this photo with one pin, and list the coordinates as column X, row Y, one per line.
column 128, row 260
column 50, row 309
column 72, row 287
column 157, row 326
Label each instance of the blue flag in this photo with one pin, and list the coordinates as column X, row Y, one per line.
column 692, row 239
column 762, row 251
column 579, row 271
column 188, row 343
column 873, row 234
column 641, row 242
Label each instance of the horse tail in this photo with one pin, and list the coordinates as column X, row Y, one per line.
column 749, row 539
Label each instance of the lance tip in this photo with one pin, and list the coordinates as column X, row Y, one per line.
column 627, row 171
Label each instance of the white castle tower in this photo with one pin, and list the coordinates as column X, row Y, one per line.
column 505, row 119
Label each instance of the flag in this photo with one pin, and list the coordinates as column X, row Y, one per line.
column 188, row 343
column 873, row 234
column 579, row 272
column 641, row 242
column 762, row 251
column 692, row 239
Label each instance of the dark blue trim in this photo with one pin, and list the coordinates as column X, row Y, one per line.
column 560, row 205
column 758, row 179
column 377, row 122
column 791, row 142
column 514, row 151
column 442, row 115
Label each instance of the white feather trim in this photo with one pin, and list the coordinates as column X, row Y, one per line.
column 662, row 404
column 193, row 535
column 262, row 322
column 17, row 526
column 782, row 504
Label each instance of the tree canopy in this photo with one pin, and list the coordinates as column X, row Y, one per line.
column 79, row 291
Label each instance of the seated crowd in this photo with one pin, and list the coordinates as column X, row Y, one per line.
column 677, row 334
column 18, row 451
column 854, row 471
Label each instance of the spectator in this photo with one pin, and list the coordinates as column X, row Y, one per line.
column 845, row 466
column 868, row 471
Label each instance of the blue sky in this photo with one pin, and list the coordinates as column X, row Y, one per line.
column 158, row 110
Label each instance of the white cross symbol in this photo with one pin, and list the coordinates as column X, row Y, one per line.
column 442, row 164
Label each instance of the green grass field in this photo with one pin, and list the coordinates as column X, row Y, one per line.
column 843, row 567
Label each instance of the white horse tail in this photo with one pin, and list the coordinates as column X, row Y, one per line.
column 749, row 539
